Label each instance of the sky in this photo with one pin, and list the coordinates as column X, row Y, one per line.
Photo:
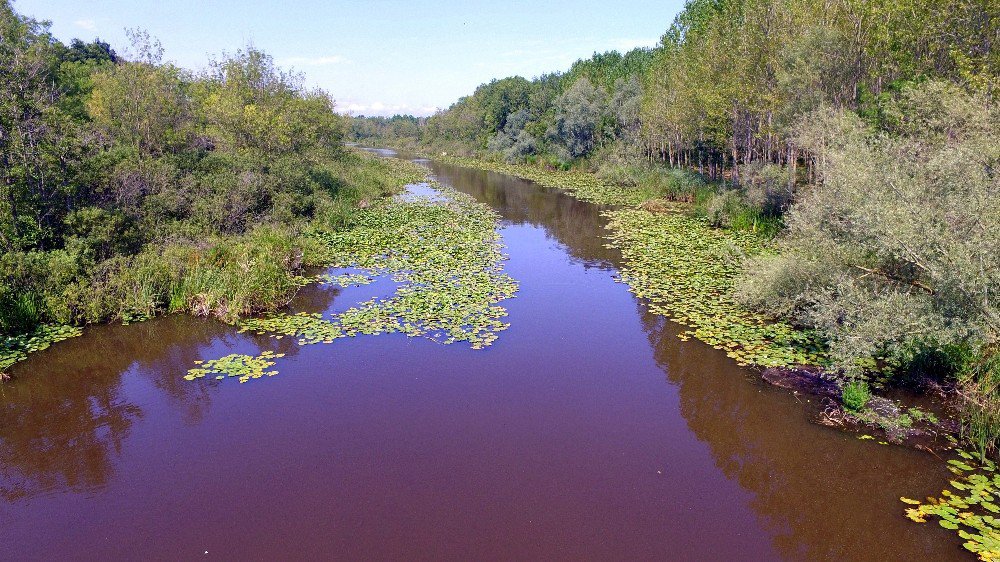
column 376, row 57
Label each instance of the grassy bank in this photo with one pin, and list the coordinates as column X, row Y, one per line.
column 720, row 204
column 228, row 277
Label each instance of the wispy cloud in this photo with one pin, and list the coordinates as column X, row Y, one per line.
column 87, row 24
column 315, row 61
column 383, row 109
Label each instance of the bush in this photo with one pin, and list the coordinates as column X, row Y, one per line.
column 898, row 242
column 855, row 396
column 893, row 255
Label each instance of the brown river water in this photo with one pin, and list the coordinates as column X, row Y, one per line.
column 587, row 431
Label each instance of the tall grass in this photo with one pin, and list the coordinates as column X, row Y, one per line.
column 723, row 205
column 979, row 387
column 225, row 276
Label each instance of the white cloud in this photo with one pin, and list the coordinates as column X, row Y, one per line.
column 87, row 24
column 383, row 109
column 314, row 61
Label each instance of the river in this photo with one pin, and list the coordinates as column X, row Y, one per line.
column 587, row 431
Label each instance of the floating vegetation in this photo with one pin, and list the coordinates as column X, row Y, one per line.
column 345, row 280
column 444, row 253
column 583, row 185
column 16, row 348
column 306, row 328
column 680, row 264
column 245, row 367
column 446, row 256
column 969, row 507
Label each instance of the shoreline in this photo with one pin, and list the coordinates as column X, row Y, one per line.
column 776, row 351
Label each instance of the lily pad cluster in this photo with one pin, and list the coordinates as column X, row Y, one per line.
column 345, row 280
column 306, row 328
column 583, row 186
column 444, row 254
column 971, row 506
column 244, row 367
column 16, row 348
column 447, row 258
column 687, row 270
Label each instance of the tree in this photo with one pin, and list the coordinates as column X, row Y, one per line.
column 38, row 152
column 578, row 112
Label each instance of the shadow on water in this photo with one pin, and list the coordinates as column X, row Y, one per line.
column 588, row 431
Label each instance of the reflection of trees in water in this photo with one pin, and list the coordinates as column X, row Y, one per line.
column 820, row 493
column 67, row 414
column 577, row 225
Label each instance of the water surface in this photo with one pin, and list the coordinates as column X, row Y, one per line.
column 587, row 431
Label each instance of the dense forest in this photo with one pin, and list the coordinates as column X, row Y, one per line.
column 861, row 135
column 131, row 187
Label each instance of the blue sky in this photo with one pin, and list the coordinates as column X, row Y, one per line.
column 379, row 56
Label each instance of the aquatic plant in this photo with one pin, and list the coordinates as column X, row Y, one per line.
column 306, row 328
column 687, row 269
column 245, row 367
column 16, row 348
column 444, row 253
column 970, row 507
column 446, row 256
column 344, row 280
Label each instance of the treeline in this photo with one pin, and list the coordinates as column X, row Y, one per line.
column 129, row 186
column 863, row 134
column 557, row 117
column 728, row 87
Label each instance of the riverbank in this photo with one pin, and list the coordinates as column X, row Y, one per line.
column 588, row 413
column 228, row 277
column 686, row 269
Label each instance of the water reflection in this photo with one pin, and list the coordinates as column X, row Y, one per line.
column 65, row 417
column 577, row 225
column 822, row 494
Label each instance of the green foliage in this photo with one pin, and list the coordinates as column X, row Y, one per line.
column 244, row 367
column 130, row 187
column 968, row 507
column 855, row 395
column 894, row 255
column 576, row 120
column 140, row 105
column 679, row 263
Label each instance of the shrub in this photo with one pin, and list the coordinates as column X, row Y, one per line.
column 898, row 242
column 855, row 395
